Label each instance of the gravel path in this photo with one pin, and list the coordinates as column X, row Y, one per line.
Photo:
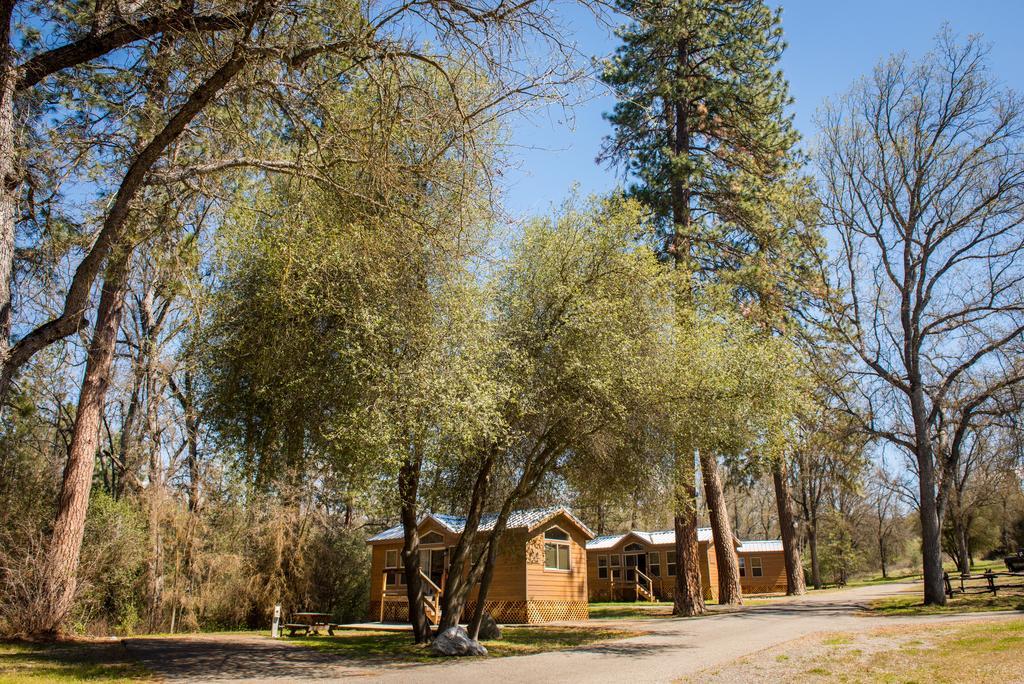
column 673, row 648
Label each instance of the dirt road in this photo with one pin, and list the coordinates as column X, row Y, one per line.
column 672, row 648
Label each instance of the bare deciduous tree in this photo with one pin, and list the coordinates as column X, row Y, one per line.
column 922, row 175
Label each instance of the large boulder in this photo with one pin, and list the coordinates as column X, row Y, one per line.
column 489, row 630
column 454, row 641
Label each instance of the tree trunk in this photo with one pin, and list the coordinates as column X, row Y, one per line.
column 689, row 595
column 812, row 540
column 787, row 526
column 408, row 486
column 963, row 560
column 459, row 583
column 60, row 580
column 729, row 589
column 931, row 528
column 9, row 177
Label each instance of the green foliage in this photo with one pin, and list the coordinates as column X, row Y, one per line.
column 113, row 563
column 700, row 124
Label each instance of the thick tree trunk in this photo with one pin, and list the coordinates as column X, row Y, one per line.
column 69, row 526
column 729, row 589
column 9, row 177
column 812, row 541
column 408, row 486
column 787, row 526
column 931, row 527
column 689, row 595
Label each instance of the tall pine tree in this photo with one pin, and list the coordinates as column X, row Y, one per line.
column 701, row 130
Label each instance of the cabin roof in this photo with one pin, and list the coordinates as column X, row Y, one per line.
column 528, row 518
column 656, row 538
column 760, row 546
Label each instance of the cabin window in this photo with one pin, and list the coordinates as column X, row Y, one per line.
column 556, row 549
column 654, row 564
column 616, row 563
column 556, row 556
column 432, row 538
column 743, row 567
column 602, row 567
column 633, row 547
column 393, row 568
column 755, row 566
column 670, row 566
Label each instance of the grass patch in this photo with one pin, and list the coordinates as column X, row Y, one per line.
column 398, row 646
column 969, row 603
column 630, row 610
column 72, row 661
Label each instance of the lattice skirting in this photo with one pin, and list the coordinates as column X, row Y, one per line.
column 506, row 612
column 394, row 611
column 776, row 588
column 549, row 611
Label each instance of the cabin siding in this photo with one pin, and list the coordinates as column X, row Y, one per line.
column 558, row 585
column 773, row 579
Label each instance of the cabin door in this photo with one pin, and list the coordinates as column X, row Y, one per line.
column 432, row 563
column 634, row 562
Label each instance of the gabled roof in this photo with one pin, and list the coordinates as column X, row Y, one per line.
column 760, row 546
column 656, row 538
column 529, row 519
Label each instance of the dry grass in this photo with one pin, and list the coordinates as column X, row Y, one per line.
column 986, row 651
column 969, row 603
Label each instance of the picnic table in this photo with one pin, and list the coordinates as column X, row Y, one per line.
column 309, row 623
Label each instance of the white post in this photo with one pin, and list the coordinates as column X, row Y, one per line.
column 275, row 630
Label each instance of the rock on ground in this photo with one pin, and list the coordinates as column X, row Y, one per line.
column 489, row 630
column 454, row 641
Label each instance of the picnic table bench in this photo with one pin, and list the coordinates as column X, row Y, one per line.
column 309, row 623
column 985, row 583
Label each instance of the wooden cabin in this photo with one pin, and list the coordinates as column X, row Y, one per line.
column 540, row 574
column 642, row 566
column 762, row 567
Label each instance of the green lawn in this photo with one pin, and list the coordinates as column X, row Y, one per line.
column 630, row 610
column 68, row 662
column 987, row 651
column 393, row 645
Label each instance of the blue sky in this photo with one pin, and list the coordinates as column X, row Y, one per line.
column 831, row 43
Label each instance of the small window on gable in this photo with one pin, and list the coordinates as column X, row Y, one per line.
column 432, row 538
column 633, row 547
column 556, row 549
